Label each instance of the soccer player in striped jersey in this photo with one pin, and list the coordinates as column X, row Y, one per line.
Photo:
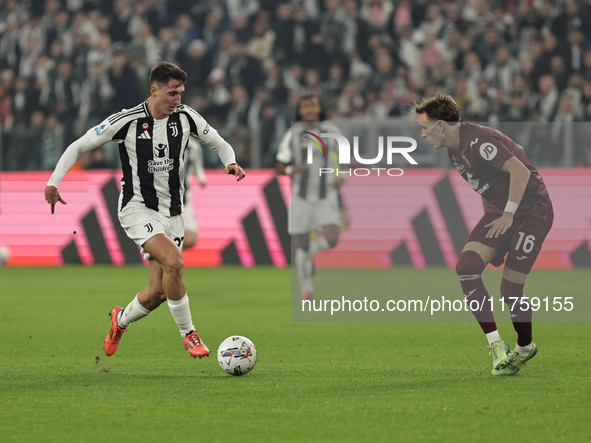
column 314, row 196
column 152, row 139
column 517, row 217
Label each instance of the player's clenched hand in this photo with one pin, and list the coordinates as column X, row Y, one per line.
column 236, row 170
column 500, row 225
column 52, row 196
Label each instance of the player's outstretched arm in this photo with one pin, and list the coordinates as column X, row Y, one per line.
column 235, row 169
column 85, row 143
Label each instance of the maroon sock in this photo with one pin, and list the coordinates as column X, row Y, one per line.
column 521, row 313
column 469, row 269
column 484, row 316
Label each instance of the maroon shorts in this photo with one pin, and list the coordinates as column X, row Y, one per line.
column 522, row 242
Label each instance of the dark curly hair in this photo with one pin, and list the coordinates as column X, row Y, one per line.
column 298, row 116
column 163, row 72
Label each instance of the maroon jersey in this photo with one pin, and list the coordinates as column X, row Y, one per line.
column 482, row 153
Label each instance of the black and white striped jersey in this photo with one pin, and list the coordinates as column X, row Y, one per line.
column 152, row 154
column 294, row 148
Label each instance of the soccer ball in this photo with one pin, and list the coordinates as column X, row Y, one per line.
column 237, row 355
column 4, row 255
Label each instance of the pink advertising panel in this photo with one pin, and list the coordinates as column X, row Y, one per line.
column 418, row 219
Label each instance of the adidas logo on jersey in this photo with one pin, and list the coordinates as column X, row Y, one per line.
column 144, row 136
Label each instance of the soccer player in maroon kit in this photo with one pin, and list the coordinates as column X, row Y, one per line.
column 517, row 217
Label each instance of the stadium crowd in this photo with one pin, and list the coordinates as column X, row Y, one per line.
column 65, row 65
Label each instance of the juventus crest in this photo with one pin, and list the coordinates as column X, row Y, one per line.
column 174, row 130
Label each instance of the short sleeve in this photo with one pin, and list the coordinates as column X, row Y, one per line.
column 284, row 150
column 494, row 151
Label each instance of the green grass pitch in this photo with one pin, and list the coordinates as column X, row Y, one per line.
column 314, row 382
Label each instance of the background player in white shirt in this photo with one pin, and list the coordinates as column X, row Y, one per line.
column 194, row 165
column 314, row 197
column 152, row 140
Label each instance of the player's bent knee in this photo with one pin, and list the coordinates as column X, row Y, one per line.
column 470, row 263
column 173, row 264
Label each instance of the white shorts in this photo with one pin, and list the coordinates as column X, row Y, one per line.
column 189, row 214
column 305, row 216
column 141, row 224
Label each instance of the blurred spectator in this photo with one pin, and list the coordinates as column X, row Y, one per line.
column 27, row 142
column 433, row 23
column 260, row 46
column 29, row 56
column 145, row 45
column 357, row 30
column 244, row 8
column 61, row 96
column 553, row 152
column 380, row 109
column 119, row 28
column 312, row 80
column 376, row 12
column 336, row 79
column 272, row 129
column 332, row 28
column 481, row 103
column 305, row 41
column 489, row 43
column 198, row 62
column 276, row 85
column 244, row 69
column 547, row 99
column 508, row 61
column 101, row 53
column 576, row 50
column 52, row 145
column 241, row 29
column 573, row 17
column 9, row 48
column 500, row 72
column 25, row 100
column 350, row 101
column 123, row 79
column 559, row 71
column 223, row 55
column 453, row 20
column 283, row 28
column 517, row 110
column 218, row 94
column 96, row 94
column 237, row 117
column 97, row 159
column 6, row 125
column 185, row 29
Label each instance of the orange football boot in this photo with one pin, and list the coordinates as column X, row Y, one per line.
column 195, row 346
column 307, row 295
column 112, row 340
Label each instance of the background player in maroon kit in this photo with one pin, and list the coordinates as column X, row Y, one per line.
column 517, row 217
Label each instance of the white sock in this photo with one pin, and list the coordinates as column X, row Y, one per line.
column 182, row 314
column 302, row 266
column 320, row 244
column 523, row 350
column 493, row 337
column 133, row 312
